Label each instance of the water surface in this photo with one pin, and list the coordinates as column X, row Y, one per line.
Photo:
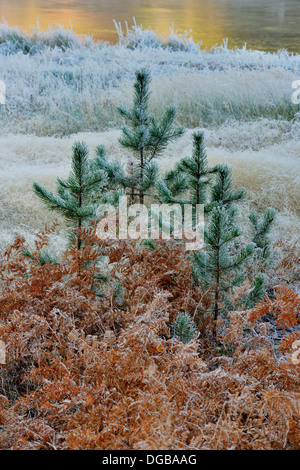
column 262, row 24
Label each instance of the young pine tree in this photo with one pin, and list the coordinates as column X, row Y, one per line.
column 183, row 327
column 191, row 177
column 189, row 181
column 77, row 196
column 146, row 137
column 219, row 265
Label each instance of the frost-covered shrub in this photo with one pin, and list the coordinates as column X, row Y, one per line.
column 15, row 39
column 181, row 42
column 137, row 37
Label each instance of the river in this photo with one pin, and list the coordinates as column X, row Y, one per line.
column 262, row 24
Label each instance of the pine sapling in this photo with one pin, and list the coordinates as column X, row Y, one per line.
column 77, row 196
column 197, row 171
column 183, row 327
column 189, row 181
column 146, row 137
column 219, row 266
column 191, row 177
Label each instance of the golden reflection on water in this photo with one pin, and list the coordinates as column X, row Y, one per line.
column 262, row 24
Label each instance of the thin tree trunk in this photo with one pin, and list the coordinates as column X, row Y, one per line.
column 80, row 205
column 78, row 236
column 217, row 293
column 142, row 176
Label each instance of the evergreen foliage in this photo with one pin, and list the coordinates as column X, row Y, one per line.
column 261, row 228
column 219, row 265
column 113, row 169
column 183, row 327
column 77, row 195
column 146, row 137
column 222, row 193
column 191, row 177
column 42, row 258
column 257, row 293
